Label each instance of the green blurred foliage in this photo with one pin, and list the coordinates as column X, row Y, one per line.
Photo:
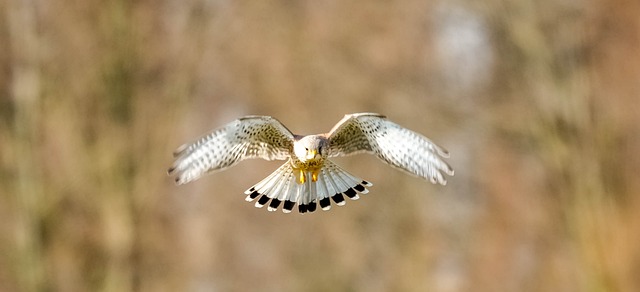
column 536, row 100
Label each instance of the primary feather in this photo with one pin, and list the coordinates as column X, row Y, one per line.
column 248, row 137
column 395, row 145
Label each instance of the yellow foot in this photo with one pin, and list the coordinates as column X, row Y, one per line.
column 314, row 176
column 301, row 177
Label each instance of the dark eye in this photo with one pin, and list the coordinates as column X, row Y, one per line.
column 305, row 148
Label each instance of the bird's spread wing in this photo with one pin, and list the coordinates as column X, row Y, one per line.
column 248, row 137
column 397, row 146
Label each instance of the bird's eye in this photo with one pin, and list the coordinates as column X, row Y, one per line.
column 305, row 148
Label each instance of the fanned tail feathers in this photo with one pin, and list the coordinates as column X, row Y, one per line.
column 282, row 187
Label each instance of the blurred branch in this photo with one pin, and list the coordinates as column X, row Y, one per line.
column 551, row 45
column 25, row 89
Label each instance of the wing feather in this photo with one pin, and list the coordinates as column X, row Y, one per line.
column 245, row 138
column 394, row 144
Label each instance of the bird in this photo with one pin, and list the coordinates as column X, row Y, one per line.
column 309, row 178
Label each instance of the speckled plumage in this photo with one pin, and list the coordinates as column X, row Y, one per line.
column 309, row 178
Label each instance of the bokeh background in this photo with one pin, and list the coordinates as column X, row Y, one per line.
column 538, row 102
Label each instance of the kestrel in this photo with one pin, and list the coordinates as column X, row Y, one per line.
column 308, row 177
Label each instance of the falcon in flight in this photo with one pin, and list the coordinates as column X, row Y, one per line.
column 309, row 178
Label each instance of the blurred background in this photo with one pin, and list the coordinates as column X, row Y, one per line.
column 537, row 101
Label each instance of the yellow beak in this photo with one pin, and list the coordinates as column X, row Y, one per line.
column 311, row 154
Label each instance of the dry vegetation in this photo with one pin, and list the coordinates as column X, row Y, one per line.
column 538, row 101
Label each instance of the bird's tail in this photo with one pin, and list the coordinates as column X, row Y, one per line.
column 284, row 187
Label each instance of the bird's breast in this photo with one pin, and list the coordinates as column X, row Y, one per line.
column 307, row 165
column 310, row 168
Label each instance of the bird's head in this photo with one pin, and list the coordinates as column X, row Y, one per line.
column 310, row 148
